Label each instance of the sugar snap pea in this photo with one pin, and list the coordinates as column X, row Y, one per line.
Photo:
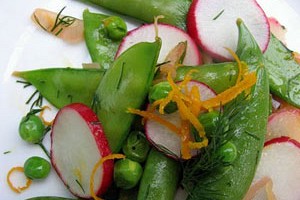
column 101, row 47
column 174, row 11
column 284, row 72
column 218, row 76
column 248, row 128
column 61, row 86
column 160, row 177
column 125, row 85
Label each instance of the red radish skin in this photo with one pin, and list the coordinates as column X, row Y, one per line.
column 280, row 161
column 78, row 132
column 159, row 135
column 285, row 122
column 212, row 24
column 170, row 36
column 277, row 29
column 282, row 139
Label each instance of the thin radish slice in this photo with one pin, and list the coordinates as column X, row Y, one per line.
column 170, row 37
column 261, row 190
column 280, row 161
column 164, row 138
column 212, row 23
column 77, row 143
column 277, row 29
column 285, row 122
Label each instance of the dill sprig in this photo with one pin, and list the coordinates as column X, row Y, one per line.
column 36, row 97
column 95, row 103
column 208, row 158
column 26, row 84
column 38, row 102
column 63, row 21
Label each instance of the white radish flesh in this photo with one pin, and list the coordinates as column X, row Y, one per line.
column 261, row 190
column 161, row 135
column 285, row 122
column 77, row 143
column 280, row 161
column 170, row 37
column 212, row 23
column 277, row 29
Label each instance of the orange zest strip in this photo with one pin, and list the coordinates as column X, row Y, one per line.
column 186, row 114
column 228, row 95
column 152, row 116
column 198, row 145
column 185, row 138
column 47, row 123
column 11, row 185
column 96, row 166
column 236, row 58
column 296, row 56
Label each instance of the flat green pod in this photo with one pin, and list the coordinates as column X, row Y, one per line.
column 125, row 85
column 62, row 86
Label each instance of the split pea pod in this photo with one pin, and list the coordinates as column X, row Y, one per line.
column 231, row 182
column 62, row 86
column 125, row 85
column 98, row 36
column 174, row 11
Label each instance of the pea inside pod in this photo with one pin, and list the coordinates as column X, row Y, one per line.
column 247, row 127
column 102, row 35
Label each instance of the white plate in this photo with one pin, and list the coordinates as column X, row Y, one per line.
column 23, row 46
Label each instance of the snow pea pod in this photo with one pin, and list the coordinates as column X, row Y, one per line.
column 219, row 76
column 248, row 128
column 284, row 72
column 125, row 85
column 174, row 11
column 101, row 47
column 61, row 86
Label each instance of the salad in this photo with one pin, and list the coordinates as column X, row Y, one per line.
column 206, row 116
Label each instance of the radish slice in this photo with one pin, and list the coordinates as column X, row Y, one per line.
column 277, row 29
column 170, row 37
column 280, row 161
column 212, row 23
column 261, row 190
column 164, row 138
column 77, row 143
column 285, row 122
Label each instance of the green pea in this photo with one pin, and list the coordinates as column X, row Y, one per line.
column 136, row 147
column 116, row 27
column 36, row 168
column 209, row 120
column 127, row 173
column 228, row 152
column 160, row 91
column 31, row 129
